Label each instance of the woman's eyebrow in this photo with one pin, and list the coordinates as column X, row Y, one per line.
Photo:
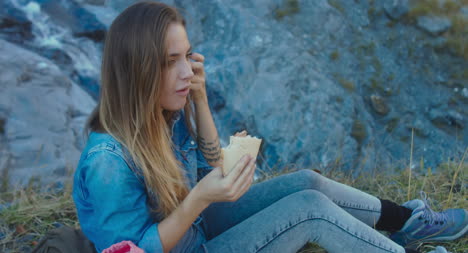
column 177, row 54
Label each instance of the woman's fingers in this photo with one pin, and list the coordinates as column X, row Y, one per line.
column 245, row 179
column 247, row 184
column 197, row 57
column 197, row 67
column 197, row 79
column 234, row 174
column 197, row 83
column 231, row 187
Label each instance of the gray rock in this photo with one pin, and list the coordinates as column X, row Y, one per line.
column 396, row 8
column 93, row 2
column 379, row 105
column 14, row 25
column 464, row 11
column 419, row 128
column 82, row 23
column 434, row 25
column 465, row 92
column 446, row 119
column 276, row 79
column 41, row 136
column 438, row 42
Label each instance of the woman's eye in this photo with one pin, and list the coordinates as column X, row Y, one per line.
column 171, row 62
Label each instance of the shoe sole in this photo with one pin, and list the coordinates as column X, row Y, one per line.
column 444, row 238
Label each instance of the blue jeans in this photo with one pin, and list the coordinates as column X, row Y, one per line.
column 284, row 213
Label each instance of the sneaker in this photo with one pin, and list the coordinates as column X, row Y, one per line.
column 439, row 249
column 425, row 225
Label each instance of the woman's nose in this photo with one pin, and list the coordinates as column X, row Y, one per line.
column 186, row 71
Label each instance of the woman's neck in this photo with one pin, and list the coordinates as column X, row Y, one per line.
column 168, row 116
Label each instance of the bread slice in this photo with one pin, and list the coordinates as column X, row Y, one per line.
column 238, row 147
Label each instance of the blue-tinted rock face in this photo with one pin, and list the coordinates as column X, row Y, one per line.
column 14, row 24
column 305, row 82
column 42, row 113
column 396, row 8
column 324, row 83
column 434, row 25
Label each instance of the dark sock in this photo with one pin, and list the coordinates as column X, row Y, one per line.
column 392, row 216
column 411, row 251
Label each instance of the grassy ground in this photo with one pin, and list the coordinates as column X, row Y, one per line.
column 25, row 222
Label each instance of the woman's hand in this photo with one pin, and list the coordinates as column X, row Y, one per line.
column 198, row 89
column 216, row 188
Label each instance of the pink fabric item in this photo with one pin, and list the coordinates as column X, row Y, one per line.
column 123, row 247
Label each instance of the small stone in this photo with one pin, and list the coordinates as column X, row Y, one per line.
column 464, row 11
column 456, row 120
column 2, row 126
column 20, row 229
column 57, row 224
column 434, row 25
column 396, row 8
column 96, row 2
column 379, row 105
column 443, row 119
column 419, row 128
column 465, row 92
column 439, row 42
column 32, row 8
column 24, row 77
column 42, row 65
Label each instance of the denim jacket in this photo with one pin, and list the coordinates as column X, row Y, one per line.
column 111, row 199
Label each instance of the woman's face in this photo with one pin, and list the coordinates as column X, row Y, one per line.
column 178, row 75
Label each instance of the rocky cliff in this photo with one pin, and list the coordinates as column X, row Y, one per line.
column 326, row 84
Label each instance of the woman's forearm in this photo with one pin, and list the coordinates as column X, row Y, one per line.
column 173, row 227
column 208, row 139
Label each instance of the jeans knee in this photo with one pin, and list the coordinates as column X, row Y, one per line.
column 313, row 196
column 310, row 203
column 311, row 177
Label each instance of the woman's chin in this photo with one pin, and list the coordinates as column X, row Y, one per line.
column 176, row 106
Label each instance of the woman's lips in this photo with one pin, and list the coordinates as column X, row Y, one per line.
column 183, row 92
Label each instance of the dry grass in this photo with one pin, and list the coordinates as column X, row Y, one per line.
column 25, row 222
column 289, row 7
column 31, row 215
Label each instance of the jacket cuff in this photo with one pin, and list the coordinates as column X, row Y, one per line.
column 151, row 242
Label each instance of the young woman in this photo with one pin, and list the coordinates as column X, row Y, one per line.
column 150, row 171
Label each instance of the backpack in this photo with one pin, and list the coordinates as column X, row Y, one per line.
column 65, row 239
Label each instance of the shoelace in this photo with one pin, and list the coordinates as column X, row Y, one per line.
column 429, row 215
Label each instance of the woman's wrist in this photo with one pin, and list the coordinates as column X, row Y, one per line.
column 199, row 98
column 197, row 199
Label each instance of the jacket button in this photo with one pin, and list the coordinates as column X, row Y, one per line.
column 192, row 142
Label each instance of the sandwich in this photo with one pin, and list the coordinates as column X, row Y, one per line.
column 238, row 147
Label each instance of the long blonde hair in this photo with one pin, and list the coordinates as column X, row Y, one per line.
column 133, row 64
